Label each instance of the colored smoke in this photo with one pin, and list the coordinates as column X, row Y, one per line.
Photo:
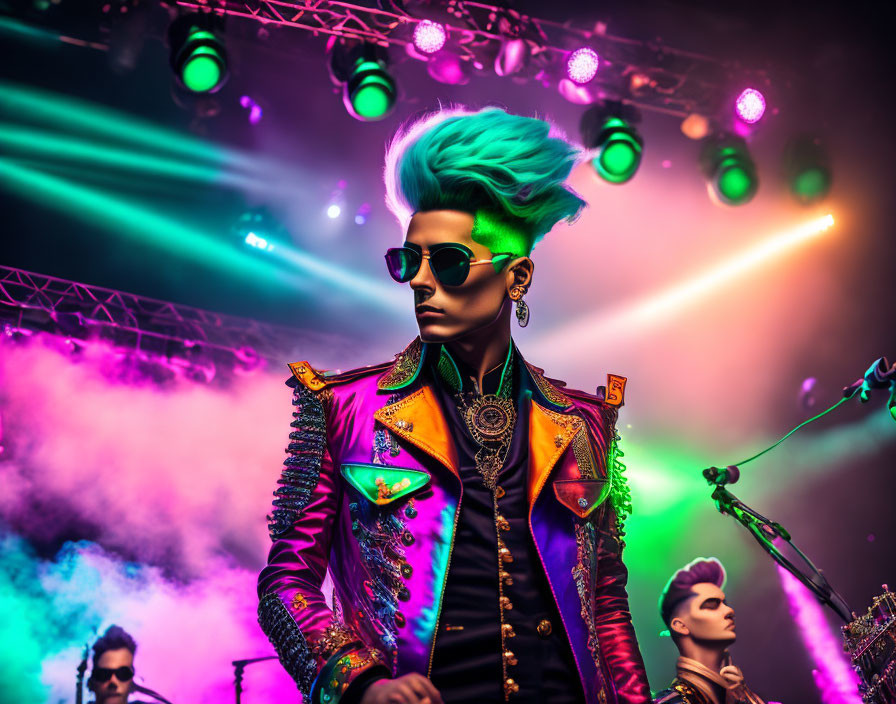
column 187, row 633
column 172, row 477
column 837, row 683
column 172, row 487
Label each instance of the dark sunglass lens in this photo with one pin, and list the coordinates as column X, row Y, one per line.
column 403, row 263
column 104, row 674
column 451, row 265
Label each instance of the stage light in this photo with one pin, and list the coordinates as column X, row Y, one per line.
column 807, row 169
column 750, row 106
column 695, row 126
column 333, row 211
column 729, row 170
column 197, row 54
column 369, row 91
column 258, row 229
column 362, row 214
column 608, row 128
column 429, row 36
column 254, row 109
column 448, row 68
column 254, row 240
column 581, row 65
column 513, row 57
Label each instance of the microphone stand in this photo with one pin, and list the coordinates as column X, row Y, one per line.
column 775, row 540
column 152, row 693
column 772, row 536
column 238, row 667
column 82, row 668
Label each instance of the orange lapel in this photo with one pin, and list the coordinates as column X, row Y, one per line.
column 549, row 435
column 418, row 419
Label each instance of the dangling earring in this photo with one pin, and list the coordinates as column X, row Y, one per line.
column 522, row 310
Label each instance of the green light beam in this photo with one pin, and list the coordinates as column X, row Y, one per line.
column 133, row 220
column 26, row 31
column 391, row 297
column 67, row 113
column 73, row 149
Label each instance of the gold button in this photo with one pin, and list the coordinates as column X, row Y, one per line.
column 510, row 687
column 544, row 628
column 499, row 492
column 505, row 603
column 507, row 630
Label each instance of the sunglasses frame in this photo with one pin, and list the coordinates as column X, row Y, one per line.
column 498, row 260
column 112, row 671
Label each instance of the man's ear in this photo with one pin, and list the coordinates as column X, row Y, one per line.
column 519, row 273
column 676, row 625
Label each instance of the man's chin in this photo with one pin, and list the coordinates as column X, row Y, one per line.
column 438, row 334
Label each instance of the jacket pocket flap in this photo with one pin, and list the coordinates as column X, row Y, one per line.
column 382, row 484
column 582, row 496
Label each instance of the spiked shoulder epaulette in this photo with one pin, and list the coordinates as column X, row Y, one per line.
column 318, row 379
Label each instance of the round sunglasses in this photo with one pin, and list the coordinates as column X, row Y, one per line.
column 450, row 262
column 104, row 674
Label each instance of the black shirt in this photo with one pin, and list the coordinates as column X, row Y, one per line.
column 467, row 662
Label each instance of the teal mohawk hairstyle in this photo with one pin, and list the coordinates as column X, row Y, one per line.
column 506, row 170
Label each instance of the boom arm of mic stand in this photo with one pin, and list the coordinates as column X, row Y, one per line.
column 776, row 542
column 152, row 693
column 238, row 667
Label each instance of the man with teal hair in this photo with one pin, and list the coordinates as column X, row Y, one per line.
column 468, row 509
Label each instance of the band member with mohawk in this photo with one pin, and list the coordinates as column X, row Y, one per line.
column 468, row 508
column 701, row 624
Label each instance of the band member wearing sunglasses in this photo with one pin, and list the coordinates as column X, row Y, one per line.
column 468, row 509
column 112, row 675
column 701, row 624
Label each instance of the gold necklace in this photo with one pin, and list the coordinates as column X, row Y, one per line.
column 490, row 419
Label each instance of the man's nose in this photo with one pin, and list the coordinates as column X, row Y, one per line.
column 424, row 276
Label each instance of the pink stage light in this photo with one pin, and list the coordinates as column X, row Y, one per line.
column 253, row 108
column 581, row 66
column 429, row 36
column 750, row 106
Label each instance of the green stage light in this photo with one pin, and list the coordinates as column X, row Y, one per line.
column 369, row 91
column 608, row 128
column 620, row 151
column 197, row 54
column 729, row 170
column 807, row 170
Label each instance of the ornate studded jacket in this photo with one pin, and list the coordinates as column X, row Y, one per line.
column 370, row 492
column 681, row 692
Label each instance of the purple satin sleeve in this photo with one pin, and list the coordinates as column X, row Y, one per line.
column 323, row 655
column 297, row 562
column 613, row 621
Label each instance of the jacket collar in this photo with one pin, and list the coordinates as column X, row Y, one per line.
column 417, row 418
column 405, row 370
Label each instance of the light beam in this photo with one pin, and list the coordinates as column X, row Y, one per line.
column 133, row 220
column 661, row 306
